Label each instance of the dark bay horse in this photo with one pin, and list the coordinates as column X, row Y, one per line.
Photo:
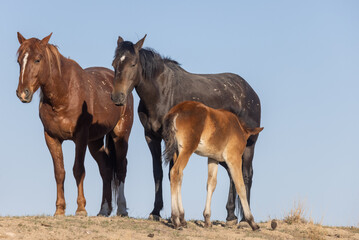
column 75, row 105
column 161, row 84
column 192, row 127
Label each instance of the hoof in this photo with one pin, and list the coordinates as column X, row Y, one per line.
column 122, row 214
column 255, row 227
column 154, row 217
column 207, row 225
column 178, row 228
column 81, row 213
column 101, row 214
column 231, row 223
column 59, row 213
column 184, row 224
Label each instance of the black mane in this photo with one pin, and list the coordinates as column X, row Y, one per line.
column 152, row 63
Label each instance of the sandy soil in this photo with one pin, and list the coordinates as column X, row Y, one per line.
column 72, row 227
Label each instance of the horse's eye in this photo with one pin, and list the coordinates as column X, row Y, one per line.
column 134, row 64
column 37, row 61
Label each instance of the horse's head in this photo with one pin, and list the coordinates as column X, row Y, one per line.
column 127, row 69
column 31, row 58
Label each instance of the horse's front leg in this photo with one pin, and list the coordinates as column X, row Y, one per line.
column 155, row 147
column 79, row 170
column 54, row 146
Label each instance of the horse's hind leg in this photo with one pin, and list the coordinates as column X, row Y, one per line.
column 235, row 167
column 121, row 134
column 248, row 167
column 79, row 170
column 55, row 149
column 121, row 146
column 97, row 150
column 211, row 185
column 177, row 211
column 231, row 217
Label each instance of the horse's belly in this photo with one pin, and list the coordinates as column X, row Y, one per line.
column 206, row 150
column 99, row 130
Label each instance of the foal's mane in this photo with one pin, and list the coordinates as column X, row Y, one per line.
column 152, row 63
column 51, row 52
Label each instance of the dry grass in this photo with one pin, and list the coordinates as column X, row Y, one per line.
column 297, row 214
column 71, row 227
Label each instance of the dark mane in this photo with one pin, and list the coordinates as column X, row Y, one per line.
column 152, row 63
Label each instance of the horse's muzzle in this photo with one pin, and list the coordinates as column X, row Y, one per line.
column 118, row 98
column 24, row 96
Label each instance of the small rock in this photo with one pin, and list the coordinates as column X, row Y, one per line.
column 151, row 235
column 274, row 224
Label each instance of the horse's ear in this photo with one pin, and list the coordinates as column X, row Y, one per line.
column 45, row 40
column 139, row 44
column 119, row 40
column 20, row 38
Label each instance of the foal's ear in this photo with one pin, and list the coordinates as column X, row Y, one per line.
column 139, row 44
column 20, row 38
column 119, row 40
column 45, row 40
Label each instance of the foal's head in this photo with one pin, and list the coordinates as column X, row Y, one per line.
column 127, row 69
column 33, row 58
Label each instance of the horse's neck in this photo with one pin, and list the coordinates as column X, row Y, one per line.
column 157, row 94
column 55, row 89
column 154, row 90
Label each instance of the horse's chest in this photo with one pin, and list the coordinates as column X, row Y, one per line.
column 150, row 122
column 61, row 127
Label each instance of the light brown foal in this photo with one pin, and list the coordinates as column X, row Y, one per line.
column 192, row 127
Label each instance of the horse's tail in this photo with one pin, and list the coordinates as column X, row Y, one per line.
column 169, row 136
column 111, row 152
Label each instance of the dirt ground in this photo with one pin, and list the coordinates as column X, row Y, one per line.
column 73, row 227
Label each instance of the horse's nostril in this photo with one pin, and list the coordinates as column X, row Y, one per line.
column 27, row 92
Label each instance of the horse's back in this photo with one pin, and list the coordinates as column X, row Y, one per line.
column 101, row 74
column 228, row 91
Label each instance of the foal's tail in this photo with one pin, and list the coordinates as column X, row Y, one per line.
column 169, row 136
column 253, row 131
column 111, row 152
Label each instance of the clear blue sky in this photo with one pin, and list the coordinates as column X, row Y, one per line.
column 301, row 57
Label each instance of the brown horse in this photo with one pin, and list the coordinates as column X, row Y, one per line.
column 75, row 105
column 192, row 127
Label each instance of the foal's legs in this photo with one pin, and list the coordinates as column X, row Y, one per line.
column 55, row 149
column 79, row 170
column 211, row 185
column 97, row 150
column 235, row 166
column 247, row 169
column 177, row 211
column 230, row 206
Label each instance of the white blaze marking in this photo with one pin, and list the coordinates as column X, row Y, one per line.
column 122, row 58
column 24, row 61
